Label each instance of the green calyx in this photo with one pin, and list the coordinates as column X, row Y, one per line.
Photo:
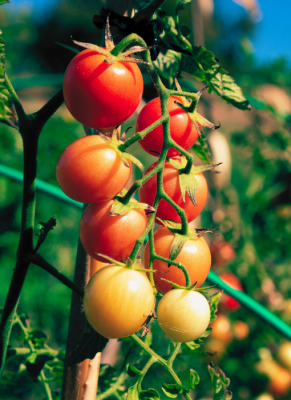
column 119, row 208
column 109, row 52
column 115, row 141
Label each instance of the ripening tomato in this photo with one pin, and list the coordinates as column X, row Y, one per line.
column 90, row 171
column 147, row 194
column 221, row 329
column 195, row 256
column 241, row 330
column 182, row 129
column 117, row 301
column 284, row 354
column 280, row 383
column 227, row 301
column 183, row 315
column 101, row 95
column 222, row 253
column 113, row 236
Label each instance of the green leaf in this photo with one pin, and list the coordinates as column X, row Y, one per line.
column 194, row 379
column 213, row 305
column 132, row 371
column 188, row 184
column 4, row 2
column 91, row 343
column 195, row 344
column 36, row 364
column 219, row 383
column 149, row 394
column 133, row 393
column 7, row 110
column 173, row 389
column 204, row 67
column 177, row 245
column 168, row 64
column 119, row 208
column 181, row 4
column 201, row 149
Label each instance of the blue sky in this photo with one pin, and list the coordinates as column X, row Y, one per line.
column 273, row 31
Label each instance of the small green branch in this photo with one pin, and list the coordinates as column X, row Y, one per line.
column 174, row 354
column 17, row 104
column 112, row 391
column 41, row 262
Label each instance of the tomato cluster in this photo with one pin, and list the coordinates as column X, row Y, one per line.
column 95, row 169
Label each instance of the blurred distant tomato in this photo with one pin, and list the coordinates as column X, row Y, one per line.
column 221, row 329
column 227, row 302
column 222, row 253
column 280, row 382
column 284, row 354
column 265, row 396
column 241, row 330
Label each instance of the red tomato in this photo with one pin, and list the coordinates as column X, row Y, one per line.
column 114, row 237
column 226, row 301
column 101, row 95
column 90, row 171
column 222, row 253
column 182, row 129
column 147, row 194
column 195, row 256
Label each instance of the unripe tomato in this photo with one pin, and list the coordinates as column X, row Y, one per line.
column 227, row 301
column 221, row 329
column 195, row 256
column 101, row 95
column 183, row 315
column 222, row 253
column 284, row 354
column 90, row 171
column 109, row 235
column 182, row 129
column 147, row 194
column 117, row 301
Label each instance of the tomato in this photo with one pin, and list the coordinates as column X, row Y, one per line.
column 222, row 253
column 147, row 194
column 226, row 301
column 117, row 301
column 95, row 265
column 265, row 396
column 195, row 256
column 101, row 95
column 216, row 348
column 284, row 354
column 221, row 329
column 241, row 330
column 280, row 382
column 183, row 130
column 114, row 236
column 183, row 315
column 90, row 171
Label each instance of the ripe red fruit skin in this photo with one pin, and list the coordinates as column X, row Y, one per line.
column 171, row 185
column 227, row 301
column 101, row 95
column 90, row 171
column 183, row 131
column 114, row 236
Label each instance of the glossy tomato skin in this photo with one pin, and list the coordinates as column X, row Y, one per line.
column 195, row 256
column 90, row 171
column 171, row 185
column 226, row 301
column 114, row 236
column 183, row 315
column 117, row 301
column 101, row 95
column 182, row 129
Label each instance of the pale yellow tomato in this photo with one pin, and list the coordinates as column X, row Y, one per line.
column 183, row 315
column 117, row 301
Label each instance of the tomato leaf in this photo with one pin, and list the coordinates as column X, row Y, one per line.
column 168, row 63
column 133, row 393
column 201, row 149
column 7, row 111
column 119, row 208
column 204, row 67
column 195, row 344
column 213, row 305
column 188, row 183
column 132, row 370
column 177, row 245
column 219, row 383
column 91, row 343
column 149, row 394
column 194, row 379
column 173, row 389
column 35, row 363
column 181, row 4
